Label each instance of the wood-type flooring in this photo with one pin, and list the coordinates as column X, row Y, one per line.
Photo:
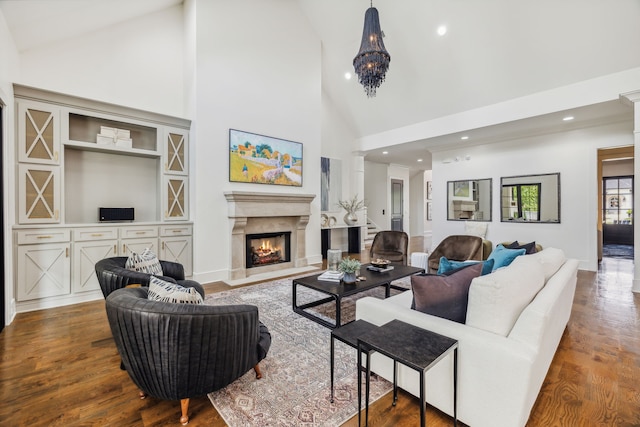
column 60, row 367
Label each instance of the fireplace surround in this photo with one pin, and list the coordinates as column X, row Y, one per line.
column 260, row 213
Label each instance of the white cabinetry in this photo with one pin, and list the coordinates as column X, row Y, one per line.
column 68, row 168
column 176, row 245
column 43, row 263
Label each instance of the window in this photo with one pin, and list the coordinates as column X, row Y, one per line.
column 617, row 203
column 523, row 201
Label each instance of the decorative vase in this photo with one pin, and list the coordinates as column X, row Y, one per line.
column 349, row 278
column 350, row 218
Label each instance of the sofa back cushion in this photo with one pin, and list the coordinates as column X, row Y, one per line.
column 444, row 296
column 497, row 299
column 549, row 261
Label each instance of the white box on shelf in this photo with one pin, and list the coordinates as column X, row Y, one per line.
column 123, row 134
column 124, row 143
column 104, row 139
column 108, row 131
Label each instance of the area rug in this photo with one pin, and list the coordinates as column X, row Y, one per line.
column 617, row 251
column 295, row 387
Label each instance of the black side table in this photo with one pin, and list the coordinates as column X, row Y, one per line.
column 414, row 347
column 349, row 334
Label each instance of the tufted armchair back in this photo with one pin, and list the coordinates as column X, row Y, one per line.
column 178, row 351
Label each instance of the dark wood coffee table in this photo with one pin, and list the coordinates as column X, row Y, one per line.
column 339, row 290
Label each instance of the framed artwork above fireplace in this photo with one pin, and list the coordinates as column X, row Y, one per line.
column 261, row 159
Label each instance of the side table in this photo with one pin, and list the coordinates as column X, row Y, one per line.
column 414, row 347
column 349, row 334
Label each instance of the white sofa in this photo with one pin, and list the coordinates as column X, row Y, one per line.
column 515, row 319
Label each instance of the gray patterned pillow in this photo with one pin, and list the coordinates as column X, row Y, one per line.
column 160, row 290
column 146, row 262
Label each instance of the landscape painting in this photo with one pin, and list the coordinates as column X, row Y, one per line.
column 263, row 159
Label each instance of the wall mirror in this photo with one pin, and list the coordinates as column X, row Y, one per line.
column 530, row 198
column 469, row 200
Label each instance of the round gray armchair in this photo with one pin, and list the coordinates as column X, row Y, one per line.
column 178, row 351
column 113, row 275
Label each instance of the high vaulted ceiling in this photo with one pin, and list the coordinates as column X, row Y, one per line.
column 493, row 51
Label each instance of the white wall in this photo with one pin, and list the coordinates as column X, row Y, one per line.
column 417, row 204
column 138, row 63
column 572, row 153
column 258, row 70
column 618, row 168
column 9, row 70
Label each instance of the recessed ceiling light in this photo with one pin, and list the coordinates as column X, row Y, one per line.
column 419, row 160
column 464, row 137
column 442, row 30
column 347, row 75
column 566, row 119
column 385, row 152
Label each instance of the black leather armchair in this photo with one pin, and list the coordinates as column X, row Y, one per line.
column 112, row 275
column 390, row 245
column 178, row 351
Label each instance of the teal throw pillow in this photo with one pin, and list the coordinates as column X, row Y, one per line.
column 502, row 256
column 447, row 265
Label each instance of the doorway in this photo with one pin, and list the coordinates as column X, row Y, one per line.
column 2, row 283
column 397, row 205
column 615, row 203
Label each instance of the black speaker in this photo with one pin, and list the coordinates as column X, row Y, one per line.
column 116, row 214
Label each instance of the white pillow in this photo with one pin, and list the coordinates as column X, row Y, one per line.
column 497, row 299
column 160, row 290
column 549, row 261
column 474, row 228
column 146, row 262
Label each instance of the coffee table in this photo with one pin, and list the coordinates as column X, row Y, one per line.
column 339, row 290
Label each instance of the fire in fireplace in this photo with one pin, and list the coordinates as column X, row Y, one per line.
column 268, row 248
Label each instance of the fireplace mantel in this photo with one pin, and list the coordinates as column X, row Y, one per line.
column 252, row 212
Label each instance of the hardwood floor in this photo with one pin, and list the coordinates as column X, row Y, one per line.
column 60, row 367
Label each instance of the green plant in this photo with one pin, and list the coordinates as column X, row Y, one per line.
column 349, row 265
column 352, row 205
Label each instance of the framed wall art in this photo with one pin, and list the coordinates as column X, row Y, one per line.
column 261, row 159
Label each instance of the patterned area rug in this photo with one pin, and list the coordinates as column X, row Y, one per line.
column 618, row 251
column 295, row 386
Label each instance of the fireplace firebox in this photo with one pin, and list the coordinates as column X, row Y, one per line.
column 268, row 248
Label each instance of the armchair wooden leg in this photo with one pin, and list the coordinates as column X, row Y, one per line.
column 184, row 405
column 258, row 372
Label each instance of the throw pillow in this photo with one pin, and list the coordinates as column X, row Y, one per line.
column 448, row 265
column 503, row 257
column 444, row 296
column 146, row 262
column 530, row 248
column 473, row 228
column 160, row 290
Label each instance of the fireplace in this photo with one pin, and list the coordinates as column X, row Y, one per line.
column 268, row 248
column 252, row 213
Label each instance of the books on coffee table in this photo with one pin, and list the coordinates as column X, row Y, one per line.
column 331, row 276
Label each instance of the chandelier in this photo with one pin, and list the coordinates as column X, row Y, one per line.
column 372, row 61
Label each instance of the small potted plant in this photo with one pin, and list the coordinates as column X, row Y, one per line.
column 349, row 266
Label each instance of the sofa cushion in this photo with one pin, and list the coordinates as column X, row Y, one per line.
column 145, row 262
column 503, row 257
column 530, row 248
column 444, row 296
column 497, row 299
column 160, row 290
column 447, row 265
column 549, row 261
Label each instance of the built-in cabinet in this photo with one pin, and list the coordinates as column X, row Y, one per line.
column 75, row 156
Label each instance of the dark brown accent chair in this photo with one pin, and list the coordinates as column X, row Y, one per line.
column 178, row 351
column 457, row 248
column 390, row 245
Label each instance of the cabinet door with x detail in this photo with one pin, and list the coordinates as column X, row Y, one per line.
column 38, row 133
column 38, row 194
